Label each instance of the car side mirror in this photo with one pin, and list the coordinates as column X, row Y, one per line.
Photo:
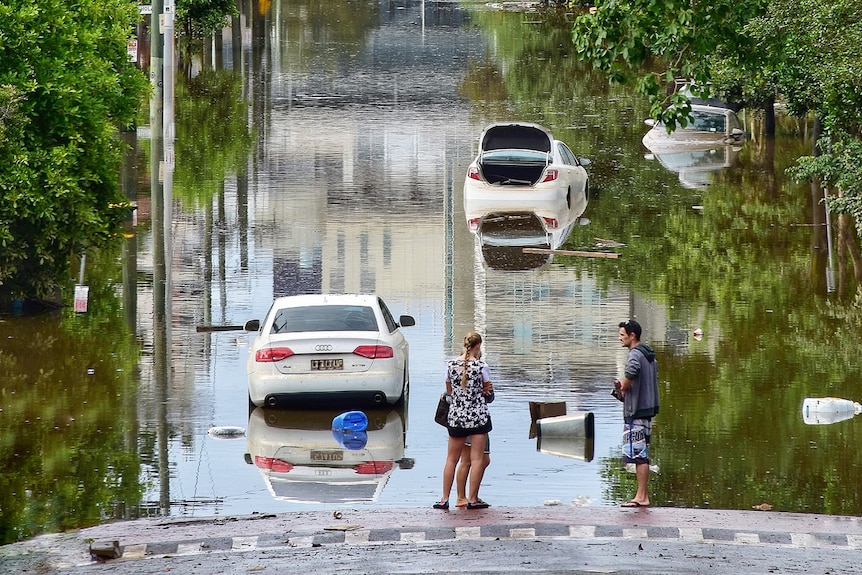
column 650, row 122
column 252, row 325
column 584, row 161
column 406, row 321
column 736, row 132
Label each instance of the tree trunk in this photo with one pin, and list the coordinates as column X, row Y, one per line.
column 769, row 117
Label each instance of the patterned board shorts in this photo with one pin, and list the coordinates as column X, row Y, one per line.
column 636, row 436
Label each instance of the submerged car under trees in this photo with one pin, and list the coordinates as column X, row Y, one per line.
column 708, row 142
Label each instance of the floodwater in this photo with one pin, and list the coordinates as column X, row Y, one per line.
column 322, row 147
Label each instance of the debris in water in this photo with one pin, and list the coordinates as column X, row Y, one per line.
column 226, row 431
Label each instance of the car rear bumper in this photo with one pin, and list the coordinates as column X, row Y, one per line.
column 481, row 199
column 372, row 387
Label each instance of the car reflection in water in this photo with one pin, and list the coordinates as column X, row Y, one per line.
column 696, row 167
column 303, row 460
column 502, row 238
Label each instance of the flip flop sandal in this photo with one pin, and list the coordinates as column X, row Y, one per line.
column 441, row 505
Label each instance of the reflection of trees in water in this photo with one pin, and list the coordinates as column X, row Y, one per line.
column 70, row 455
column 213, row 137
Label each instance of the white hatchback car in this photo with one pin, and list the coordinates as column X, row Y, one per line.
column 521, row 168
column 328, row 345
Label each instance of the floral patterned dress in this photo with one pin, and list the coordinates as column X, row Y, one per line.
column 468, row 411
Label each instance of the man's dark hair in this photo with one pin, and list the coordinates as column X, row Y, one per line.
column 631, row 326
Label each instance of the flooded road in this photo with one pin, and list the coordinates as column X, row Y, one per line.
column 324, row 149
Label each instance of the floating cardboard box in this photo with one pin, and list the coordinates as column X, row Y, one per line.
column 542, row 409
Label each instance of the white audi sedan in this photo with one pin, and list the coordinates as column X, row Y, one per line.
column 328, row 346
column 521, row 168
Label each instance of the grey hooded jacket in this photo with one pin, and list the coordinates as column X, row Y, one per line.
column 641, row 399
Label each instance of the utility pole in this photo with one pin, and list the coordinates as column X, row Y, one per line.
column 161, row 191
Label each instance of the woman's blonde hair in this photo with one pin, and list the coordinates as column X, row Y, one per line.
column 471, row 340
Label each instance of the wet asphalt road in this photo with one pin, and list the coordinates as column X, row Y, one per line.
column 549, row 539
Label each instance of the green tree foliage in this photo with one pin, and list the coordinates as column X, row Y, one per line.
column 820, row 48
column 651, row 44
column 824, row 75
column 199, row 18
column 213, row 137
column 67, row 86
column 807, row 53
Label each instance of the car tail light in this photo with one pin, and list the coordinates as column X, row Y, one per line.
column 473, row 223
column 374, row 351
column 473, row 173
column 272, row 354
column 272, row 464
column 551, row 174
column 373, row 467
column 551, row 223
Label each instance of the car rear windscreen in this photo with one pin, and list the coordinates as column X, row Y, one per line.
column 324, row 318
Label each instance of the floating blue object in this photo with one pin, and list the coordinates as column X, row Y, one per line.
column 352, row 440
column 350, row 421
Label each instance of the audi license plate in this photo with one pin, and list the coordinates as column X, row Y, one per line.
column 327, row 364
column 327, row 455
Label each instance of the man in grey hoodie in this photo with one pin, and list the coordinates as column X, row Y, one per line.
column 639, row 390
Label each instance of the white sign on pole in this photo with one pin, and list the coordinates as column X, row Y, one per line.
column 132, row 49
column 82, row 292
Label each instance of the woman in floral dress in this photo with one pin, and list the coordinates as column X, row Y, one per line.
column 467, row 383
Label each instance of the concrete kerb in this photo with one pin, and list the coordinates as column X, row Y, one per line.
column 158, row 537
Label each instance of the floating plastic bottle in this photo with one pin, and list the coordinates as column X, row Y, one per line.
column 826, row 410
